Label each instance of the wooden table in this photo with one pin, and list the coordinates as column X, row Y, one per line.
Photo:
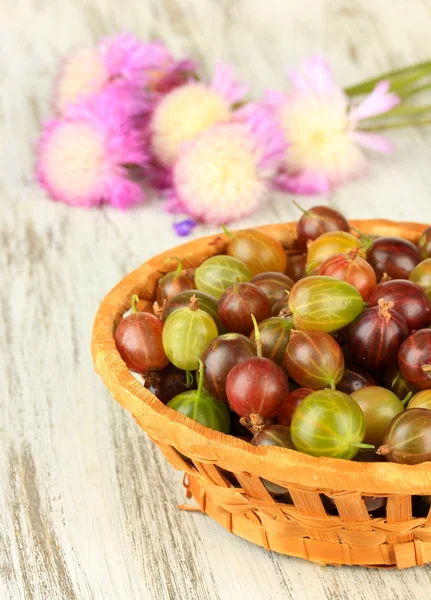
column 87, row 503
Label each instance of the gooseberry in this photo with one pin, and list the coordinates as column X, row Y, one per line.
column 273, row 435
column 314, row 359
column 238, row 303
column 274, row 335
column 186, row 334
column 328, row 423
column 217, row 273
column 351, row 267
column 139, row 341
column 394, row 256
column 324, row 304
column 256, row 387
column 207, row 303
column 167, row 383
column 379, row 406
column 259, row 251
column 316, row 221
column 293, row 400
column 296, row 262
column 200, row 406
column 221, row 355
column 421, row 400
column 424, row 243
column 354, row 378
column 408, row 299
column 376, row 336
column 273, row 284
column 173, row 283
column 408, row 437
column 414, row 358
column 281, row 306
column 421, row 275
column 332, row 243
column 394, row 381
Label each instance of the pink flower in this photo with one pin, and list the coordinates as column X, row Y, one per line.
column 322, row 129
column 86, row 158
column 190, row 109
column 224, row 172
column 87, row 71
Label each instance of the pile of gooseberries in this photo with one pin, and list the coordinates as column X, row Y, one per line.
column 323, row 348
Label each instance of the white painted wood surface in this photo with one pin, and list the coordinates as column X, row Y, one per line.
column 87, row 503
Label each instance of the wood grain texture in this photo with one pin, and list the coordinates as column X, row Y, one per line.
column 87, row 503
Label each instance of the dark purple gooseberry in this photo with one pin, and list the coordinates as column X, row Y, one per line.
column 394, row 256
column 354, row 378
column 408, row 299
column 173, row 283
column 274, row 335
column 238, row 303
column 414, row 358
column 408, row 437
column 273, row 435
column 376, row 336
column 281, row 305
column 168, row 383
column 394, row 381
column 317, row 221
column 274, row 285
column 424, row 243
column 139, row 341
column 221, row 355
column 296, row 263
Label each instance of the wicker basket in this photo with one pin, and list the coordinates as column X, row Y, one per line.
column 224, row 472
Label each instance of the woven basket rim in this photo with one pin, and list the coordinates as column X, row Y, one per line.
column 130, row 393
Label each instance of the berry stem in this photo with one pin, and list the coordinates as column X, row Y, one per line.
column 133, row 302
column 364, row 446
column 201, row 378
column 226, row 231
column 395, row 379
column 311, row 266
column 384, row 308
column 194, row 303
column 257, row 336
column 236, row 285
column 407, row 398
column 305, row 212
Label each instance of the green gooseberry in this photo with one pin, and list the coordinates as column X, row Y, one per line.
column 379, row 406
column 329, row 423
column 217, row 273
column 324, row 303
column 421, row 275
column 200, row 406
column 186, row 334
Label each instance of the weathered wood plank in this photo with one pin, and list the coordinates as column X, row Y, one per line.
column 87, row 503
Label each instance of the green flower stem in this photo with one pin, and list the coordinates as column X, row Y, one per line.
column 396, row 125
column 189, row 379
column 397, row 78
column 133, row 302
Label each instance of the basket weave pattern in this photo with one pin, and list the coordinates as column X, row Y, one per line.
column 224, row 473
